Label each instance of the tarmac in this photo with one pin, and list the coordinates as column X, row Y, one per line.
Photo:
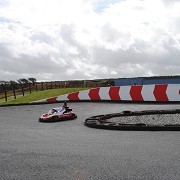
column 68, row 150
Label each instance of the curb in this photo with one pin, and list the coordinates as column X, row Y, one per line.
column 100, row 123
column 93, row 101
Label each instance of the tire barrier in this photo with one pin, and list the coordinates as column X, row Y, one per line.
column 137, row 93
column 106, row 122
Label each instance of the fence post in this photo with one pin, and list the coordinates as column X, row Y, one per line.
column 5, row 93
column 42, row 86
column 13, row 89
column 36, row 88
column 30, row 88
column 22, row 89
column 4, row 90
column 14, row 92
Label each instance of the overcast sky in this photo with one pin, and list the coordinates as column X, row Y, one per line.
column 88, row 39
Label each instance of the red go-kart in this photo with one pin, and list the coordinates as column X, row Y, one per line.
column 58, row 114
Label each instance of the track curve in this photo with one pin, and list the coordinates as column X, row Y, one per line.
column 149, row 120
column 70, row 150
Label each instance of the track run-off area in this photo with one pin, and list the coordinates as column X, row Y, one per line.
column 69, row 150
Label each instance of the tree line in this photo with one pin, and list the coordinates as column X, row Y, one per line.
column 9, row 85
column 14, row 88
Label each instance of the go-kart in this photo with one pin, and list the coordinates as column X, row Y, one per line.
column 58, row 114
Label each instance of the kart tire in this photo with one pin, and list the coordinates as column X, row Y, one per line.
column 74, row 116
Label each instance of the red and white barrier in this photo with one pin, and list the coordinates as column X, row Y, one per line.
column 156, row 93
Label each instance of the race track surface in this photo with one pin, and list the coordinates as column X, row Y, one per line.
column 69, row 150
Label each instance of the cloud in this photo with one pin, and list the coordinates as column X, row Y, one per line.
column 83, row 39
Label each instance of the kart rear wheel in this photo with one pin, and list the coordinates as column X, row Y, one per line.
column 74, row 116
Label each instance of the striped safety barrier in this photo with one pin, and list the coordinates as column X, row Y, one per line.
column 140, row 93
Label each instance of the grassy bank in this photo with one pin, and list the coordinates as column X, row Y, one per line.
column 34, row 96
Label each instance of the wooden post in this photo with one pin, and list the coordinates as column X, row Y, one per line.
column 36, row 88
column 42, row 86
column 22, row 89
column 30, row 88
column 14, row 92
column 5, row 93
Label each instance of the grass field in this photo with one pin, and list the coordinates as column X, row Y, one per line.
column 34, row 96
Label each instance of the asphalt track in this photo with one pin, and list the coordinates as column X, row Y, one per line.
column 69, row 150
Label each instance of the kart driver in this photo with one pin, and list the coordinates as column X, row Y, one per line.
column 65, row 106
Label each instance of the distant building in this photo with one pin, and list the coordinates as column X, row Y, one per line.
column 146, row 81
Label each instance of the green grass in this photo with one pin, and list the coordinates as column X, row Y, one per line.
column 34, row 96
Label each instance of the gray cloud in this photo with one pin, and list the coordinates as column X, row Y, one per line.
column 82, row 49
column 42, row 37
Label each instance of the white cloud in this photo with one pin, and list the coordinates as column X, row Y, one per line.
column 83, row 39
